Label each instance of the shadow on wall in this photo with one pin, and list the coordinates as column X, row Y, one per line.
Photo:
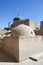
column 4, row 57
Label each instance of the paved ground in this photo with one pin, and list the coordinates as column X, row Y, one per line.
column 26, row 62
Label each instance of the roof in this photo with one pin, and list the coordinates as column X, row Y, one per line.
column 23, row 30
column 17, row 18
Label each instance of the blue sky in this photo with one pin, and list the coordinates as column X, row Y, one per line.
column 32, row 9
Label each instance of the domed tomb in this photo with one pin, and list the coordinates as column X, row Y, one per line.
column 22, row 30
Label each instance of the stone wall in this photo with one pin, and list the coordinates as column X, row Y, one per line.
column 41, row 25
column 11, row 47
column 29, row 46
column 21, row 47
column 32, row 24
column 28, row 22
column 40, row 31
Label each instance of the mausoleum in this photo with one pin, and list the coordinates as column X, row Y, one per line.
column 22, row 40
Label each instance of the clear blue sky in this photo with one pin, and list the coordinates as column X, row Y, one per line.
column 32, row 9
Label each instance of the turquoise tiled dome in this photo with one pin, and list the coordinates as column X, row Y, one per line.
column 17, row 18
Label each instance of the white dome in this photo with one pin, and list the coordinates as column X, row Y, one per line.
column 23, row 30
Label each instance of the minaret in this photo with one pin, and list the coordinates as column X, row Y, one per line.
column 8, row 24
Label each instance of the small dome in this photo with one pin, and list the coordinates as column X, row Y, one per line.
column 17, row 18
column 23, row 30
